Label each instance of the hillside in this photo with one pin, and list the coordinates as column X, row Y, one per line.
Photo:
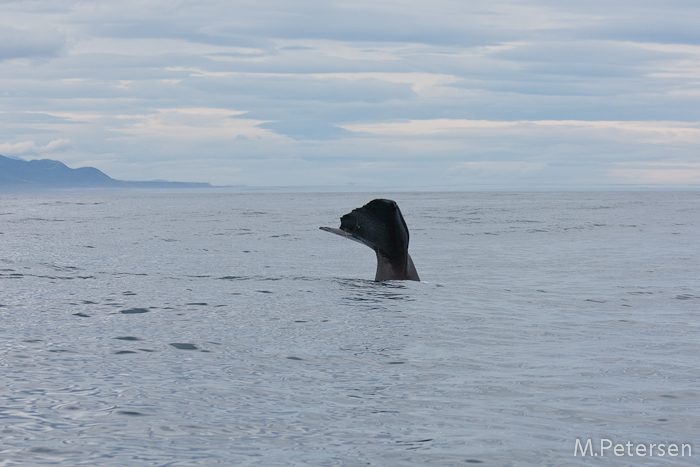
column 50, row 173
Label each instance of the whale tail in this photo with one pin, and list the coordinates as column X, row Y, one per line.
column 380, row 225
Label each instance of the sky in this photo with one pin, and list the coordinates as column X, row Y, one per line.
column 384, row 94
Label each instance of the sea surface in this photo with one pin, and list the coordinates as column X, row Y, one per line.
column 178, row 329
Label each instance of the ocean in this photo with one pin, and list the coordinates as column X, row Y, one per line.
column 187, row 328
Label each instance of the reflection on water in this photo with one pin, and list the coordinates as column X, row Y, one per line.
column 376, row 296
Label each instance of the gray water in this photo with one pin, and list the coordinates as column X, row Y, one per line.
column 227, row 329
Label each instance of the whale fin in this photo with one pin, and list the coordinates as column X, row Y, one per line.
column 380, row 225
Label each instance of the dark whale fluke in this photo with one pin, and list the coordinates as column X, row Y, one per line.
column 380, row 225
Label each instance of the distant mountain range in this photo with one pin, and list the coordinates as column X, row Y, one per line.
column 48, row 173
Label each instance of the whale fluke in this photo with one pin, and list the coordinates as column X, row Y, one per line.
column 380, row 225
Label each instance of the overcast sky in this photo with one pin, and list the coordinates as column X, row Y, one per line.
column 414, row 94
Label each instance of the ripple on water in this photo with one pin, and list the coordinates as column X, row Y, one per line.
column 130, row 311
column 184, row 346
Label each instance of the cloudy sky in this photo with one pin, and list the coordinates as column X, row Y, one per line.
column 414, row 94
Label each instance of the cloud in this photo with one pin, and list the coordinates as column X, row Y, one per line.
column 38, row 41
column 654, row 173
column 377, row 92
column 424, row 127
column 193, row 125
column 545, row 152
column 641, row 131
column 30, row 148
column 58, row 145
